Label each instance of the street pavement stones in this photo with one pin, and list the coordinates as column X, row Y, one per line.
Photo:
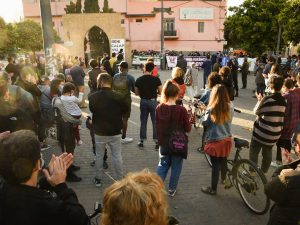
column 189, row 205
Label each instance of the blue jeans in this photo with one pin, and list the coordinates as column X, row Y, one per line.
column 114, row 143
column 167, row 161
column 146, row 107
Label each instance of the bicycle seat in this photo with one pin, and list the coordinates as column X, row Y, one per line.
column 241, row 143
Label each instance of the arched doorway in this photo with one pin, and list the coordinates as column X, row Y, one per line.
column 96, row 43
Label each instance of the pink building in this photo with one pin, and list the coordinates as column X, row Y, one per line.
column 189, row 26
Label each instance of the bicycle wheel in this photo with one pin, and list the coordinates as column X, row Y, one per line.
column 197, row 117
column 208, row 159
column 250, row 182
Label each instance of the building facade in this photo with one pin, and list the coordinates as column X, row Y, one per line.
column 188, row 25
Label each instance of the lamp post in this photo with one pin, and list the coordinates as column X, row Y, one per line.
column 162, row 41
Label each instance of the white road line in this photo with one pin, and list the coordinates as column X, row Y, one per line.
column 109, row 176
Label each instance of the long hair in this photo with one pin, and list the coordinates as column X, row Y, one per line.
column 219, row 104
column 137, row 199
column 169, row 90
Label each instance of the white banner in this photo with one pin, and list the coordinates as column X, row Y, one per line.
column 172, row 61
column 196, row 13
column 117, row 45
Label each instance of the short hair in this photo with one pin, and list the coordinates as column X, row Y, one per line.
column 120, row 57
column 113, row 54
column 169, row 90
column 124, row 65
column 68, row 87
column 271, row 58
column 149, row 66
column 60, row 76
column 225, row 72
column 177, row 72
column 93, row 63
column 276, row 83
column 136, row 199
column 19, row 154
column 54, row 86
column 104, row 78
column 213, row 79
column 288, row 83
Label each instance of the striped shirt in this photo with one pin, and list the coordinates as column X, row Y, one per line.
column 270, row 117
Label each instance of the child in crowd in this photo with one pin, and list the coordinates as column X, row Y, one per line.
column 70, row 103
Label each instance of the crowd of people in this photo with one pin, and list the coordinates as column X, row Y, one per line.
column 31, row 103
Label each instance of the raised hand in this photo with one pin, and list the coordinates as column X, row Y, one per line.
column 59, row 172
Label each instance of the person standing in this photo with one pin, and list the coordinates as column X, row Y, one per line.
column 234, row 66
column 12, row 69
column 218, row 143
column 93, row 75
column 108, row 110
column 181, row 63
column 147, row 87
column 115, row 67
column 245, row 72
column 169, row 112
column 78, row 75
column 267, row 127
column 124, row 84
column 112, row 59
column 207, row 67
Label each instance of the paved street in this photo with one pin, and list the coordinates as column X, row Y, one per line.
column 190, row 205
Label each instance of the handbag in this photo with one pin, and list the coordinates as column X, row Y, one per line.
column 178, row 140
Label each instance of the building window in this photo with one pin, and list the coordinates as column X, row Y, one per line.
column 200, row 27
column 169, row 24
column 122, row 21
column 139, row 20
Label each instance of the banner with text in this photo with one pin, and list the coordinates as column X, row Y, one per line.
column 117, row 45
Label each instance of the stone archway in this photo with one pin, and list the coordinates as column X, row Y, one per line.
column 77, row 26
column 96, row 43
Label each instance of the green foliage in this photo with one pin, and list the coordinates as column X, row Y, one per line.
column 3, row 33
column 254, row 26
column 73, row 7
column 57, row 38
column 106, row 8
column 91, row 6
column 290, row 18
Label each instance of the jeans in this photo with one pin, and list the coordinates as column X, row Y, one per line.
column 283, row 143
column 146, row 107
column 255, row 148
column 114, row 143
column 92, row 134
column 167, row 161
column 218, row 164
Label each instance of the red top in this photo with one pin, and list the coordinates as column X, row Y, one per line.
column 163, row 120
column 182, row 88
column 155, row 71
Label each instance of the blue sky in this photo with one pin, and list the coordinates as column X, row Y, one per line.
column 12, row 10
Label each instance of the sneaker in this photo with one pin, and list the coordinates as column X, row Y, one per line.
column 71, row 177
column 79, row 142
column 126, row 140
column 44, row 147
column 74, row 168
column 275, row 164
column 156, row 146
column 141, row 144
column 97, row 182
column 208, row 190
column 172, row 193
column 105, row 165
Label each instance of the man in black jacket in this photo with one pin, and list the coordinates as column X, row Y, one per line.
column 108, row 109
column 22, row 202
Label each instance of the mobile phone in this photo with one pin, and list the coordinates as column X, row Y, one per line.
column 294, row 164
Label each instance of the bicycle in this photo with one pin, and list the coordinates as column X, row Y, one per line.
column 247, row 178
column 96, row 213
column 194, row 113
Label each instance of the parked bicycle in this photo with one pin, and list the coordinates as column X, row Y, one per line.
column 247, row 178
column 95, row 216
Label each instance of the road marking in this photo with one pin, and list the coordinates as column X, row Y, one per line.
column 109, row 176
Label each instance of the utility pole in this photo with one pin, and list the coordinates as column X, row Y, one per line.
column 278, row 41
column 48, row 37
column 162, row 36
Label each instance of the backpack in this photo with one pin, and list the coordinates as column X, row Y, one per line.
column 188, row 79
column 177, row 140
column 120, row 85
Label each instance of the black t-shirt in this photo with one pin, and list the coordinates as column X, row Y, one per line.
column 147, row 85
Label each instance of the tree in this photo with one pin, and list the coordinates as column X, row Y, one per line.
column 29, row 36
column 106, row 8
column 290, row 18
column 91, row 6
column 3, row 33
column 73, row 7
column 254, row 25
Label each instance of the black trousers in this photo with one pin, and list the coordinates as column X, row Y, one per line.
column 218, row 164
column 283, row 143
column 235, row 82
column 244, row 79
